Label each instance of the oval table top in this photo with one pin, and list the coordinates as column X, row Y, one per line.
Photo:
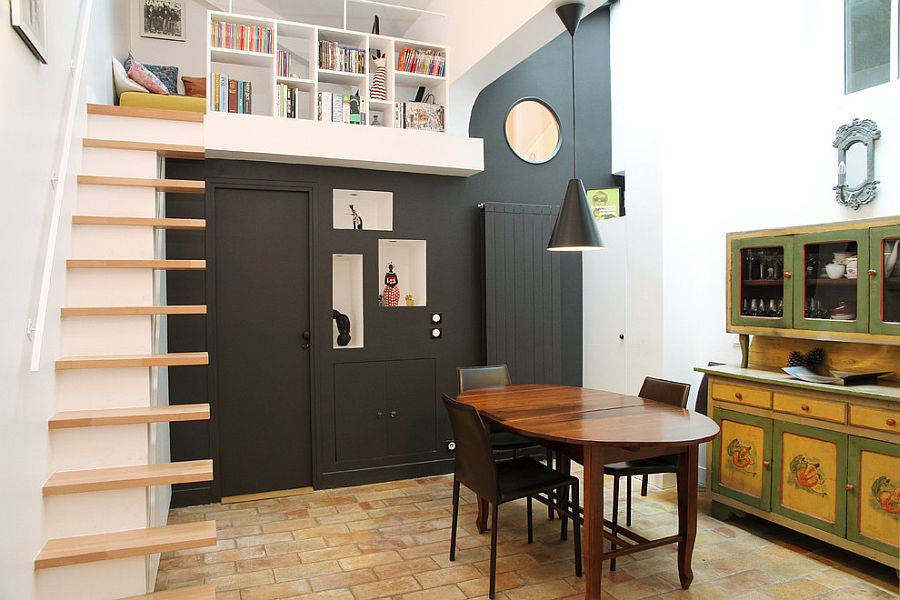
column 584, row 416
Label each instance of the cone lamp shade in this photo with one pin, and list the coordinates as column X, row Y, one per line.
column 575, row 229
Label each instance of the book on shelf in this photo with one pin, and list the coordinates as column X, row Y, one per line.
column 337, row 57
column 230, row 95
column 341, row 108
column 422, row 116
column 289, row 102
column 423, row 61
column 286, row 65
column 237, row 36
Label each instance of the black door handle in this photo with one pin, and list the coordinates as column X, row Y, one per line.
column 306, row 337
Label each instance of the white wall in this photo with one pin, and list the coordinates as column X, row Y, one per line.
column 189, row 56
column 32, row 125
column 724, row 123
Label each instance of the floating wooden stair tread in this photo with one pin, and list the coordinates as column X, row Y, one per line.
column 203, row 592
column 166, row 150
column 101, row 311
column 144, row 113
column 138, row 263
column 174, row 359
column 158, row 223
column 181, row 186
column 140, row 415
column 115, row 478
column 121, row 544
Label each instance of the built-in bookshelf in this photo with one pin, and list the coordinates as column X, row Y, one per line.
column 292, row 80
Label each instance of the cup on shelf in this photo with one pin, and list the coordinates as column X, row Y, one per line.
column 835, row 270
column 852, row 267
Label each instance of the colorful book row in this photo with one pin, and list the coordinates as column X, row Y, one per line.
column 235, row 36
column 230, row 95
column 338, row 108
column 335, row 57
column 424, row 62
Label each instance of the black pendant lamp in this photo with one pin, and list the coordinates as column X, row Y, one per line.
column 575, row 228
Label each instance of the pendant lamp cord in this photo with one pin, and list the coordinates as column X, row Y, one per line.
column 574, row 154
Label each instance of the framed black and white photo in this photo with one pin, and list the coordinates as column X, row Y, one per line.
column 163, row 19
column 29, row 19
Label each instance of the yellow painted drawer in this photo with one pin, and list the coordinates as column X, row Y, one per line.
column 835, row 412
column 875, row 418
column 740, row 394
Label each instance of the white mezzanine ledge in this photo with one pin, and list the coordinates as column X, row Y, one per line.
column 299, row 141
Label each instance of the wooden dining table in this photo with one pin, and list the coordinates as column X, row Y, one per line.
column 595, row 428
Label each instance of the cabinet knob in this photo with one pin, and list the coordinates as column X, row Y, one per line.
column 804, row 407
column 766, row 464
column 738, row 395
column 788, row 274
column 891, row 422
column 849, row 487
column 393, row 414
column 872, row 272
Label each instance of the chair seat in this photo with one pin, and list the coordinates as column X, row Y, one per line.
column 522, row 477
column 506, row 440
column 643, row 466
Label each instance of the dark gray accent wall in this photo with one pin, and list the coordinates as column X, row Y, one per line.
column 442, row 210
column 546, row 74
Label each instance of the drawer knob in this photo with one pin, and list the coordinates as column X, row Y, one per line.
column 849, row 487
column 872, row 272
column 891, row 422
column 766, row 464
column 787, row 274
column 804, row 407
column 738, row 395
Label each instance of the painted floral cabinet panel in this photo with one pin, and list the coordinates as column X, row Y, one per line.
column 810, row 476
column 742, row 455
column 873, row 512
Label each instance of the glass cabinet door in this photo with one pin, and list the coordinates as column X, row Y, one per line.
column 829, row 292
column 761, row 290
column 884, row 280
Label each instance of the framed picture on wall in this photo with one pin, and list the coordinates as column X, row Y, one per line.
column 29, row 19
column 163, row 19
column 604, row 203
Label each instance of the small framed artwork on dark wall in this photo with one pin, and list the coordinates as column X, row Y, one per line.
column 163, row 19
column 29, row 19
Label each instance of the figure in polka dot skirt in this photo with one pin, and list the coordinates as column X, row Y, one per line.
column 391, row 291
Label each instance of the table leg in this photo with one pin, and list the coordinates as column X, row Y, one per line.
column 687, row 513
column 481, row 519
column 593, row 521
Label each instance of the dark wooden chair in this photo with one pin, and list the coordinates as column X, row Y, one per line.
column 470, row 378
column 503, row 481
column 661, row 390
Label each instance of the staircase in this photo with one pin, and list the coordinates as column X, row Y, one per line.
column 106, row 499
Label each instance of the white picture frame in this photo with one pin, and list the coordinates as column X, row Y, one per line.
column 163, row 19
column 29, row 19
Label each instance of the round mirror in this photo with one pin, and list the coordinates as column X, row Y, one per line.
column 856, row 164
column 532, row 131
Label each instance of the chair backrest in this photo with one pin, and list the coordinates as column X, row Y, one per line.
column 481, row 377
column 662, row 390
column 474, row 459
column 702, row 405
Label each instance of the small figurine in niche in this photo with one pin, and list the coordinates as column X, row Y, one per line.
column 357, row 220
column 410, row 301
column 391, row 292
column 343, row 325
column 381, row 300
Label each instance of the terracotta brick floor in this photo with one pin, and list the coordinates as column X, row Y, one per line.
column 392, row 540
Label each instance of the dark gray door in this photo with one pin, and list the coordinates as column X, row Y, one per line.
column 261, row 304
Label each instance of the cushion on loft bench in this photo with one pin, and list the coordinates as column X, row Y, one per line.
column 171, row 102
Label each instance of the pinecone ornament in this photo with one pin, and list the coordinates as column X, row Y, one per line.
column 795, row 359
column 815, row 357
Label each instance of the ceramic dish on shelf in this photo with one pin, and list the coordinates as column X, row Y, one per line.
column 844, row 317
